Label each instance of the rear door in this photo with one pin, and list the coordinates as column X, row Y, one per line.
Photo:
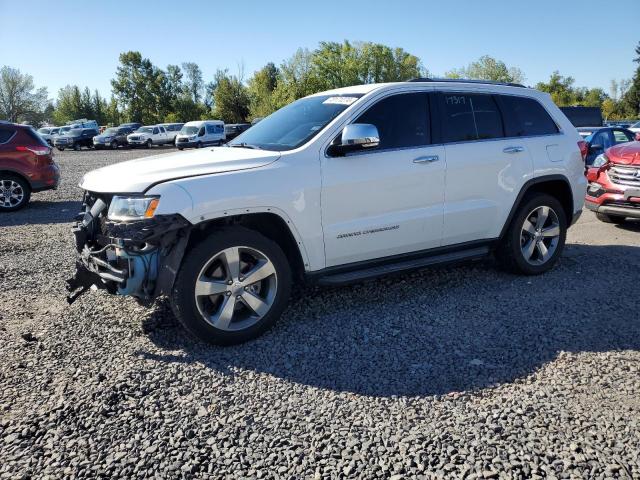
column 485, row 169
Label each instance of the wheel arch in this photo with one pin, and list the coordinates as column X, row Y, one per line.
column 269, row 222
column 17, row 174
column 557, row 186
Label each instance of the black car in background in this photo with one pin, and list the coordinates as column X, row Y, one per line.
column 133, row 126
column 599, row 139
column 232, row 130
column 75, row 138
column 112, row 137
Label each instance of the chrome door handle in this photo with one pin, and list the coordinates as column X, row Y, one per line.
column 426, row 159
column 513, row 149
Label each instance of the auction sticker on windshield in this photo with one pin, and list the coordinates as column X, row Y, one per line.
column 340, row 100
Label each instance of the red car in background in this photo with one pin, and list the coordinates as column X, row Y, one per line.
column 26, row 166
column 614, row 183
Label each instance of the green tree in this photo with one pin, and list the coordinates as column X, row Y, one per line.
column 560, row 88
column 631, row 99
column 231, row 99
column 260, row 90
column 140, row 89
column 488, row 68
column 193, row 81
column 19, row 99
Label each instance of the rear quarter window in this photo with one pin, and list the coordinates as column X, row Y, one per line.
column 526, row 117
column 6, row 134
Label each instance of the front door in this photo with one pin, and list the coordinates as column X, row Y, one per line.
column 387, row 200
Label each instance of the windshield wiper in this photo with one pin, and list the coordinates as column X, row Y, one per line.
column 242, row 145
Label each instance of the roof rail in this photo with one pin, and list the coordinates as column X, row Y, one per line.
column 466, row 80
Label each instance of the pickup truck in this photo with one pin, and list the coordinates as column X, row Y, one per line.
column 148, row 136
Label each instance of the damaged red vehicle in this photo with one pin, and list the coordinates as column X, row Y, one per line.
column 614, row 184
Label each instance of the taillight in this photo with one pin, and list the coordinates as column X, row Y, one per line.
column 36, row 149
column 584, row 149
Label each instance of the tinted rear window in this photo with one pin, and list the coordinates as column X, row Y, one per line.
column 6, row 134
column 526, row 117
column 470, row 117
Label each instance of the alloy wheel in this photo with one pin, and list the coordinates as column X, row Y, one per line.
column 236, row 288
column 540, row 235
column 11, row 193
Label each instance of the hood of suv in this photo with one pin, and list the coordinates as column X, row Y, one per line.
column 136, row 176
column 625, row 154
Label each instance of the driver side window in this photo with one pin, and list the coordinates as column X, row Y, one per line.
column 402, row 120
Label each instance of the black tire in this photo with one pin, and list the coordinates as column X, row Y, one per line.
column 606, row 218
column 510, row 250
column 199, row 145
column 149, row 143
column 183, row 299
column 5, row 181
column 61, row 149
column 180, row 148
column 114, row 145
column 76, row 147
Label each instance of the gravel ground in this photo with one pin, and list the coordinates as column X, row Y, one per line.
column 457, row 373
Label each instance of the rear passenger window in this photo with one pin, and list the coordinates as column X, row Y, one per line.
column 5, row 134
column 402, row 120
column 470, row 117
column 526, row 117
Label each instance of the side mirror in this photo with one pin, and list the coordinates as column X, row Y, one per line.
column 357, row 136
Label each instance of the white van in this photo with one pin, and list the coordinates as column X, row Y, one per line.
column 199, row 134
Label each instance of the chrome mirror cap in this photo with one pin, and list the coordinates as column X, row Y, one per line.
column 363, row 135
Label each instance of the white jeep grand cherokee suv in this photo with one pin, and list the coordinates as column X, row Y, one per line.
column 334, row 188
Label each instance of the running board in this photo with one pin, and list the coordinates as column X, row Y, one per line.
column 402, row 266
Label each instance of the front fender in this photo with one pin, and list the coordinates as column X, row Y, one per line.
column 173, row 199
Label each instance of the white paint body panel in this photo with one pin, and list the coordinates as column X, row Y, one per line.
column 465, row 196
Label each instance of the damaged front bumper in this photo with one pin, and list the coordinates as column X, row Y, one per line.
column 138, row 258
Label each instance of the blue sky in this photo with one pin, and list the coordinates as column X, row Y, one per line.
column 65, row 42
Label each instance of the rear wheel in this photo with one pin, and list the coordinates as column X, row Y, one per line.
column 536, row 236
column 232, row 286
column 606, row 218
column 14, row 192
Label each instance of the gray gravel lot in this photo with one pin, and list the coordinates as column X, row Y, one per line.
column 458, row 373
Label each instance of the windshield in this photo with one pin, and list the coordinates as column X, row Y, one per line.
column 190, row 130
column 635, row 125
column 76, row 132
column 46, row 131
column 295, row 124
column 145, row 130
column 65, row 129
column 110, row 131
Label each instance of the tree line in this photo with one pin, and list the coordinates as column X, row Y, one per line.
column 143, row 92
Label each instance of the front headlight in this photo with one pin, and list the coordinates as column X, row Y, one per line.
column 132, row 208
column 600, row 161
column 192, row 137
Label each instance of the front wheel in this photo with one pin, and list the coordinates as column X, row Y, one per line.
column 232, row 286
column 76, row 147
column 149, row 143
column 114, row 145
column 535, row 237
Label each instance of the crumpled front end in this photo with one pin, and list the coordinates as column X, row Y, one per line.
column 138, row 258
